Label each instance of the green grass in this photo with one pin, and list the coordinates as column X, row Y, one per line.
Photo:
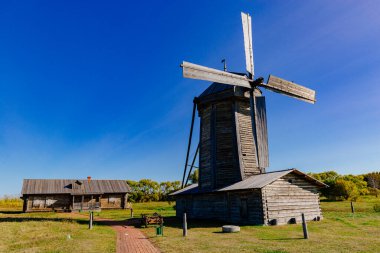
column 163, row 208
column 339, row 231
column 50, row 232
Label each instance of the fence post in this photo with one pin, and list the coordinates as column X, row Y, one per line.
column 184, row 225
column 352, row 207
column 304, row 227
column 131, row 212
column 91, row 219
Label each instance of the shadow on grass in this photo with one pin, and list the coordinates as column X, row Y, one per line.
column 25, row 219
column 11, row 212
column 283, row 239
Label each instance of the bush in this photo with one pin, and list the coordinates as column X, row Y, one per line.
column 343, row 190
column 376, row 207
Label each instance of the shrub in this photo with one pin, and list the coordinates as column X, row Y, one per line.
column 376, row 207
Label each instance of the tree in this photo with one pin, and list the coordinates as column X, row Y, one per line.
column 345, row 189
column 194, row 177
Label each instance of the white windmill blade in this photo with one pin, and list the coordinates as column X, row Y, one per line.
column 248, row 48
column 291, row 89
column 195, row 71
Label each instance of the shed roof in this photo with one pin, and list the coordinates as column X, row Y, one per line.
column 70, row 186
column 253, row 182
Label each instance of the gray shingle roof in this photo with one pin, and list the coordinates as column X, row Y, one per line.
column 253, row 182
column 69, row 186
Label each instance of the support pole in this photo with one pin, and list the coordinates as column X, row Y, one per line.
column 304, row 227
column 189, row 144
column 192, row 164
column 352, row 207
column 131, row 212
column 91, row 219
column 184, row 227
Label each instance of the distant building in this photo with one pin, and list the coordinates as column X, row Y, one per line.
column 271, row 198
column 73, row 195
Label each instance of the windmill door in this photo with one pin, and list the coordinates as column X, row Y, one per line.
column 243, row 209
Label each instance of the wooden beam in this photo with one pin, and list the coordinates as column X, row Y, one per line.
column 195, row 71
column 248, row 48
column 291, row 89
column 189, row 143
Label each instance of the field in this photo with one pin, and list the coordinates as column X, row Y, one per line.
column 340, row 231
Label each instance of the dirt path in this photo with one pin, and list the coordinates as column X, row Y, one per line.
column 129, row 238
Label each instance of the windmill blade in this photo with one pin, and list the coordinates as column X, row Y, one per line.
column 247, row 31
column 195, row 71
column 291, row 89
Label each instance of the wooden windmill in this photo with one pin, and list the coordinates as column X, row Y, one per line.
column 233, row 140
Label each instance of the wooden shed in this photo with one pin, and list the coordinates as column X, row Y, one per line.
column 73, row 194
column 271, row 198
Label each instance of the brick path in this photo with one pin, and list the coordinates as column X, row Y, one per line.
column 130, row 239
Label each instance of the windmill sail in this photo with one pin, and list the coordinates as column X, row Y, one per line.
column 291, row 89
column 195, row 71
column 247, row 31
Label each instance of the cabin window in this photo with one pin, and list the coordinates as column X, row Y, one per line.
column 290, row 181
column 244, row 208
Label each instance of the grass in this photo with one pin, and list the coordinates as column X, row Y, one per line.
column 51, row 232
column 339, row 231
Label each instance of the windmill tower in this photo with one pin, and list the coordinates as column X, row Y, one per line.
column 233, row 151
column 233, row 140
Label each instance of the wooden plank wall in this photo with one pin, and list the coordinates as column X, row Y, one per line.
column 224, row 206
column 111, row 201
column 48, row 202
column 262, row 132
column 205, row 171
column 288, row 197
column 226, row 166
column 245, row 135
column 202, row 206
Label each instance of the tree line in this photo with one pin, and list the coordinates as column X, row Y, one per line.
column 348, row 187
column 147, row 190
column 341, row 187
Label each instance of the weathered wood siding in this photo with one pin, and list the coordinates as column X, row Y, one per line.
column 56, row 202
column 249, row 200
column 227, row 169
column 262, row 132
column 47, row 203
column 288, row 197
column 205, row 173
column 223, row 206
column 111, row 201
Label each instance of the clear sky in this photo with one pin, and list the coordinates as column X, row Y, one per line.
column 95, row 88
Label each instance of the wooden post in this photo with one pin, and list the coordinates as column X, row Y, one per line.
column 352, row 207
column 91, row 219
column 189, row 144
column 131, row 212
column 304, row 227
column 184, row 225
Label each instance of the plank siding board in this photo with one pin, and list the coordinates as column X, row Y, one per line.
column 289, row 196
column 262, row 132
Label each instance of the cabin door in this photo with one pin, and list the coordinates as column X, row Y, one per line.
column 244, row 208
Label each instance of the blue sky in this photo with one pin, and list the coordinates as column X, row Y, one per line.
column 95, row 88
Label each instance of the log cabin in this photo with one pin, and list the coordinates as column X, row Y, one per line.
column 73, row 194
column 273, row 198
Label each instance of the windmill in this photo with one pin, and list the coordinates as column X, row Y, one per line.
column 243, row 83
